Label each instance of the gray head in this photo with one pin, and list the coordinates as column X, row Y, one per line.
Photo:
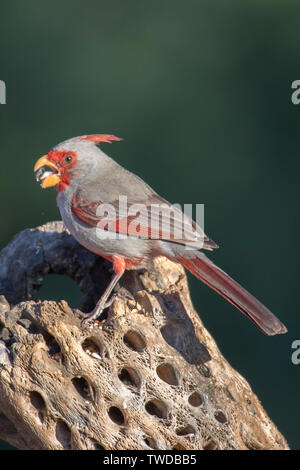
column 72, row 161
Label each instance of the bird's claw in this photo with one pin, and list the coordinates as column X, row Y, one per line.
column 88, row 318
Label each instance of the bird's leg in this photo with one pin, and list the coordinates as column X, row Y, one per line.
column 102, row 302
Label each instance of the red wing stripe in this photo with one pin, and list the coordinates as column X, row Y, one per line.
column 86, row 213
column 141, row 225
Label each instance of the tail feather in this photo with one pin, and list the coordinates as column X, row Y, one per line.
column 218, row 280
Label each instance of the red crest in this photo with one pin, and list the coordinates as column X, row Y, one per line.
column 97, row 138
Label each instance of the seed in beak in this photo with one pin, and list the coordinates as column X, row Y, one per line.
column 39, row 174
column 42, row 173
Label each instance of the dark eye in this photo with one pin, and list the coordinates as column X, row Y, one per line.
column 68, row 159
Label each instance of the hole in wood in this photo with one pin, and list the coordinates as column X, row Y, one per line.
column 39, row 404
column 221, row 417
column 116, row 415
column 203, row 369
column 82, row 388
column 37, row 401
column 53, row 346
column 94, row 445
column 129, row 377
column 185, row 430
column 167, row 373
column 98, row 446
column 179, row 447
column 157, row 408
column 151, row 442
column 134, row 341
column 92, row 347
column 210, row 445
column 63, row 434
column 195, row 399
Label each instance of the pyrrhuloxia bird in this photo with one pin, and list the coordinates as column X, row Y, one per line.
column 88, row 182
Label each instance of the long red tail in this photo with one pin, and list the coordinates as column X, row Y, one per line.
column 218, row 280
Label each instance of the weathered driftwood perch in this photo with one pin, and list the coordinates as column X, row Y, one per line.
column 150, row 377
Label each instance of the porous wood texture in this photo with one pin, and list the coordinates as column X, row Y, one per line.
column 150, row 376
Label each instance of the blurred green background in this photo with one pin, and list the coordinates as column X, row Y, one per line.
column 201, row 93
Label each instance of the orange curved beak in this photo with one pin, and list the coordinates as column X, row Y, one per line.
column 46, row 173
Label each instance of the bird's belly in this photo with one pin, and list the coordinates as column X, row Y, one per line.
column 102, row 242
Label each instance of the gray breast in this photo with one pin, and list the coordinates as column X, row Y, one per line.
column 95, row 239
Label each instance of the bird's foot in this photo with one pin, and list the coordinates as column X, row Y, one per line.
column 88, row 318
